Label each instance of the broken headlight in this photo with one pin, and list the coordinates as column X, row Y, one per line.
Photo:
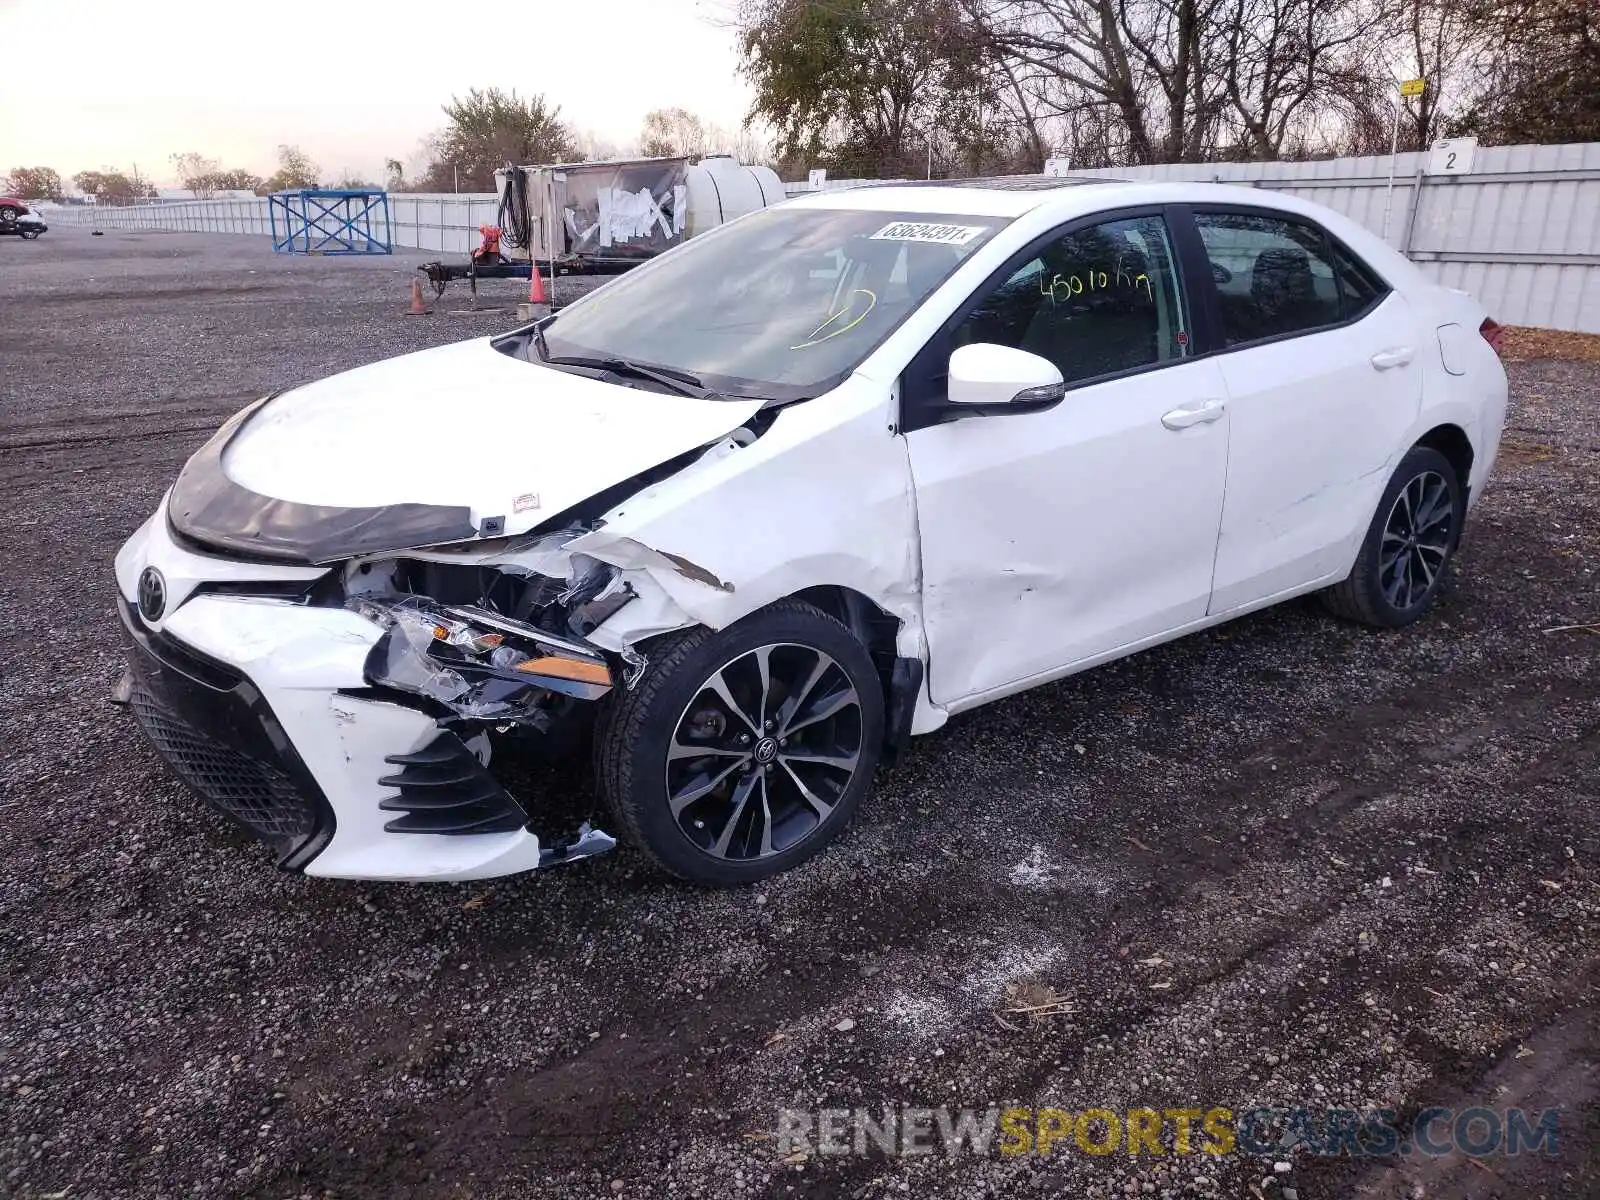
column 477, row 663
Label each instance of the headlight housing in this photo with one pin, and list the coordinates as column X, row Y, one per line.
column 477, row 663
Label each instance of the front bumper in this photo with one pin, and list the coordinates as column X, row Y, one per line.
column 220, row 737
column 262, row 707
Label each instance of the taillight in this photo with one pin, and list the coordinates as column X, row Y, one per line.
column 1494, row 333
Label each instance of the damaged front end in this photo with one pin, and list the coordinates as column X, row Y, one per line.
column 489, row 637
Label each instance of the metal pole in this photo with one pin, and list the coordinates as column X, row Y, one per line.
column 1394, row 148
column 550, row 238
column 1411, row 218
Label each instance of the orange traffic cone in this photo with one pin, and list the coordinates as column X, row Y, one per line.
column 536, row 286
column 418, row 308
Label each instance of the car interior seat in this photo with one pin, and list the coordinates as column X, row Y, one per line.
column 1284, row 291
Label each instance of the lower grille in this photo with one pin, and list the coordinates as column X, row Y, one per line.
column 220, row 736
column 255, row 794
column 445, row 789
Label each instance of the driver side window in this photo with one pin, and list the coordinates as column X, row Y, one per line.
column 1095, row 302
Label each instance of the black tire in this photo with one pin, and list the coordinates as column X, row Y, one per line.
column 8, row 216
column 1382, row 589
column 637, row 729
column 28, row 235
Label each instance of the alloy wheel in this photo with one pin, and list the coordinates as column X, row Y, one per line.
column 764, row 751
column 1416, row 540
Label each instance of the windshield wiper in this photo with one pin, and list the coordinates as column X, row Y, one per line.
column 681, row 382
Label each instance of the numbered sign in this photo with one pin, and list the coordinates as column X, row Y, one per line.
column 1057, row 166
column 817, row 178
column 1413, row 87
column 1452, row 156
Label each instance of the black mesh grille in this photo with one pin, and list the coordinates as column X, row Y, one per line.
column 255, row 794
column 445, row 789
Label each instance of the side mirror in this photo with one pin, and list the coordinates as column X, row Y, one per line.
column 985, row 377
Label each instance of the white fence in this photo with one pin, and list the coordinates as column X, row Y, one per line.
column 417, row 221
column 1521, row 231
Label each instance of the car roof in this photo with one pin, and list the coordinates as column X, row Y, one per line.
column 1065, row 199
column 1014, row 195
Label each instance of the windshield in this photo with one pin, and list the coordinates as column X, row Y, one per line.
column 781, row 304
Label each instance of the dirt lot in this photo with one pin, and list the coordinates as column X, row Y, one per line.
column 1289, row 862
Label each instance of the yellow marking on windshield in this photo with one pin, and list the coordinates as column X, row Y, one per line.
column 818, row 337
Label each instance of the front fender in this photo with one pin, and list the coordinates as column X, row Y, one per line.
column 823, row 496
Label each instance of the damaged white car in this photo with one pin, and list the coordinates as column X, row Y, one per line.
column 756, row 513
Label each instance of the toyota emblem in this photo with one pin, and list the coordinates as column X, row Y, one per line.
column 152, row 594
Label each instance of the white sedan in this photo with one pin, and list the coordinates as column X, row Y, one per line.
column 756, row 513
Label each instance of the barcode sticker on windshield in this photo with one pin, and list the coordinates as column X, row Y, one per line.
column 919, row 231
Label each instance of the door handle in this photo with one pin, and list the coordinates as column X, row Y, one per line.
column 1198, row 414
column 1397, row 356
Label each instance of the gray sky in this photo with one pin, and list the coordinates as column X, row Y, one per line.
column 95, row 83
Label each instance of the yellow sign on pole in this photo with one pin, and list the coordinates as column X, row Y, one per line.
column 1413, row 87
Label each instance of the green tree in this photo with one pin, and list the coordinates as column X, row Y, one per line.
column 32, row 183
column 491, row 128
column 236, row 180
column 861, row 86
column 113, row 187
column 295, row 170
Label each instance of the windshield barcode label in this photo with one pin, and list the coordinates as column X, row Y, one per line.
column 917, row 231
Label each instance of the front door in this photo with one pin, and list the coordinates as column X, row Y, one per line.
column 1054, row 537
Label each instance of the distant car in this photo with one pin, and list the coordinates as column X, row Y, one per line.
column 16, row 217
column 783, row 497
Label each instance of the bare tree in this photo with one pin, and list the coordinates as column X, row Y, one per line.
column 1443, row 44
column 1289, row 65
column 197, row 173
column 1143, row 60
column 673, row 133
column 1541, row 72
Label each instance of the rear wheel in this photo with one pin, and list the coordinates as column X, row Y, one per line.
column 1408, row 546
column 745, row 751
column 8, row 215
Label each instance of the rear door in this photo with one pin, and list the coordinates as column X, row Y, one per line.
column 1323, row 367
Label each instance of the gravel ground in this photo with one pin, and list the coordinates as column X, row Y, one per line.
column 1286, row 862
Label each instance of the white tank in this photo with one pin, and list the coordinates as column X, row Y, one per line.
column 720, row 189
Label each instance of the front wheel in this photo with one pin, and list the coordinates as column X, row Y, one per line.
column 743, row 752
column 1408, row 545
column 28, row 235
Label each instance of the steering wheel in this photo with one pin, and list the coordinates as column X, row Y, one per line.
column 1221, row 273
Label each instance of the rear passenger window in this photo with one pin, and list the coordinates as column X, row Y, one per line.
column 1277, row 276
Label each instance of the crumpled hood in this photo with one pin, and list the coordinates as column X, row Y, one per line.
column 465, row 425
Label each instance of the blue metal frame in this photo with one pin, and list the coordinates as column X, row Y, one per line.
column 330, row 221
